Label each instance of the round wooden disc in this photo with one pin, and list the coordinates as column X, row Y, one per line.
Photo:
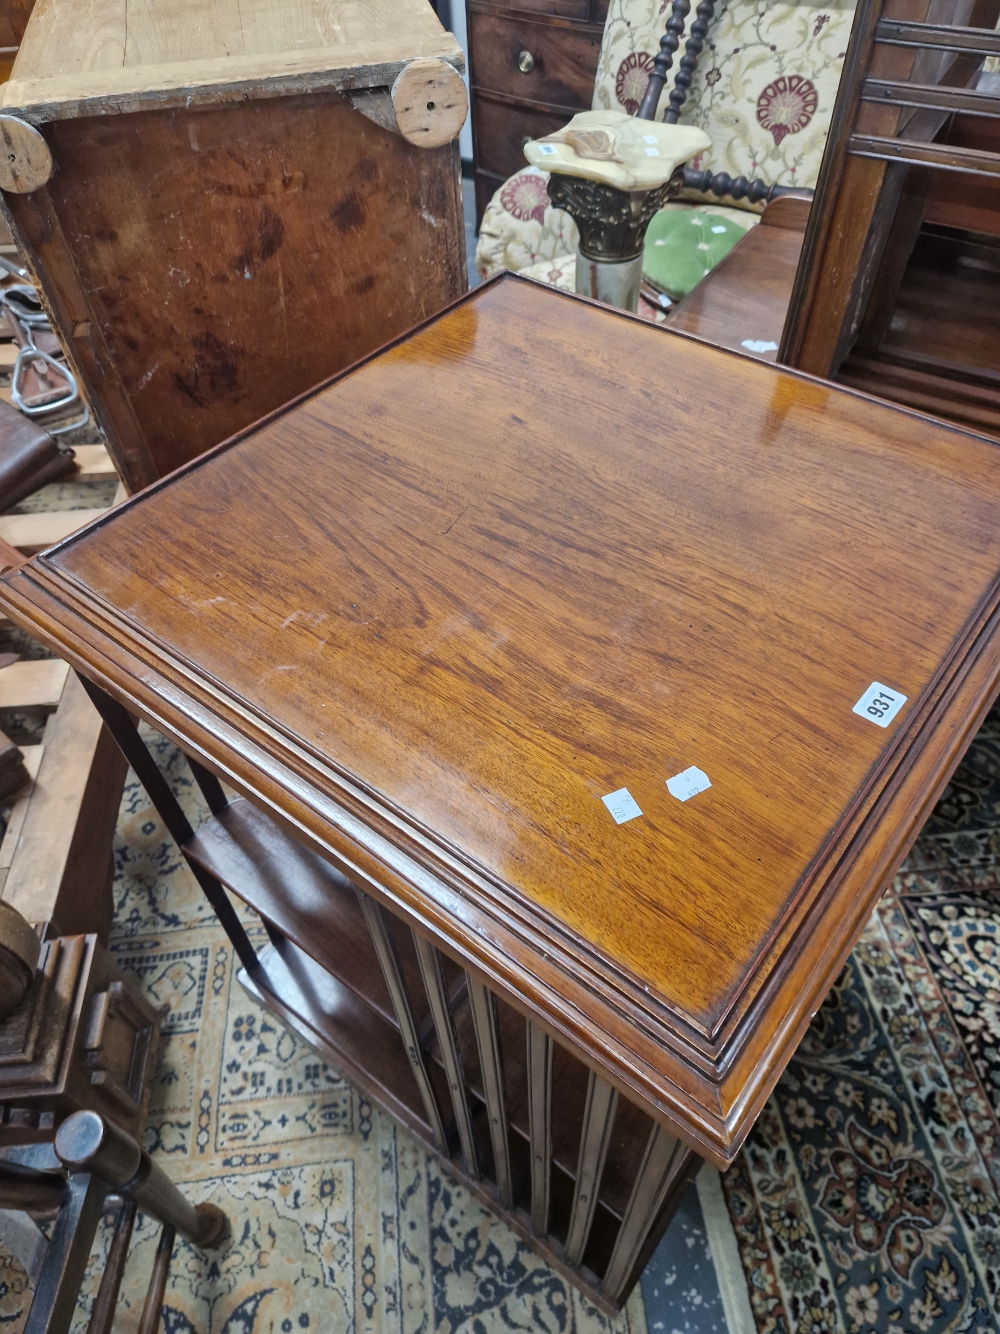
column 19, row 951
column 25, row 158
column 430, row 102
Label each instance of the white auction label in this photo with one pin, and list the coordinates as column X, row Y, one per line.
column 622, row 805
column 688, row 784
column 650, row 139
column 652, row 152
column 759, row 345
column 547, row 149
column 879, row 704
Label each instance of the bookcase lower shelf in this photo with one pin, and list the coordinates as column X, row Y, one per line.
column 586, row 1177
column 361, row 1046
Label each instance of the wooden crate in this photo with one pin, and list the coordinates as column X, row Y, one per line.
column 214, row 232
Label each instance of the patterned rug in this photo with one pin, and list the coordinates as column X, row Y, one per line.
column 867, row 1195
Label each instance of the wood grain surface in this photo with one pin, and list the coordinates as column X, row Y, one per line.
column 504, row 130
column 127, row 53
column 13, row 21
column 536, row 552
column 209, row 265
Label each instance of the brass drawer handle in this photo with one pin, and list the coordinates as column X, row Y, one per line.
column 526, row 62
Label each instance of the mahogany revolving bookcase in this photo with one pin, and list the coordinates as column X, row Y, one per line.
column 581, row 686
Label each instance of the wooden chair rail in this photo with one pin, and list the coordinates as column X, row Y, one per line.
column 972, row 161
column 73, row 1177
column 938, row 37
column 899, row 93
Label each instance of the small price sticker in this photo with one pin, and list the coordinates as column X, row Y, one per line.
column 879, row 704
column 688, row 784
column 622, row 805
column 650, row 139
column 652, row 152
column 547, row 149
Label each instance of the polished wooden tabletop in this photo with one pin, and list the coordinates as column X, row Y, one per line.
column 535, row 553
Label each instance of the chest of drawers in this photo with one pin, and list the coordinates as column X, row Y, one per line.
column 531, row 67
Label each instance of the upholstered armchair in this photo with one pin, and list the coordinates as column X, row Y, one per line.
column 758, row 77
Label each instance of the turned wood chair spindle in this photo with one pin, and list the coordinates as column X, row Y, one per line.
column 720, row 183
column 69, row 1182
column 663, row 59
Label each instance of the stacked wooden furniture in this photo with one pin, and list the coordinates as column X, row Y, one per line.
column 567, row 776
column 900, row 273
column 892, row 281
column 531, row 67
column 224, row 204
column 79, row 1044
column 56, row 855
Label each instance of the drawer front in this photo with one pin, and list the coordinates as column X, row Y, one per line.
column 501, row 132
column 564, row 9
column 559, row 62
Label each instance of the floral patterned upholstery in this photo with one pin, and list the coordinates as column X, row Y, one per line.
column 520, row 227
column 763, row 91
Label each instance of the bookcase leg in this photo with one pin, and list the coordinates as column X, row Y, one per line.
column 126, row 734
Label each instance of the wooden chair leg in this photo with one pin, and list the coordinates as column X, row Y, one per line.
column 152, row 1308
column 62, row 1271
column 103, row 1314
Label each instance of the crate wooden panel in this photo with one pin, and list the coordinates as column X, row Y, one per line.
column 222, row 231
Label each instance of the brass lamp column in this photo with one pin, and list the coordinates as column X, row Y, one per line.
column 612, row 173
column 612, row 225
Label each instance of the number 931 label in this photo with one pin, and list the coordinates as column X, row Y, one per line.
column 879, row 704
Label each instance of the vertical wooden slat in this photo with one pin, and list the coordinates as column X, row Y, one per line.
column 444, row 1026
column 540, row 1052
column 393, row 975
column 657, row 1174
column 598, row 1116
column 484, row 1018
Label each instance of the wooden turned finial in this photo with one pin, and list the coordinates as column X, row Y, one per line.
column 26, row 162
column 19, row 951
column 430, row 102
